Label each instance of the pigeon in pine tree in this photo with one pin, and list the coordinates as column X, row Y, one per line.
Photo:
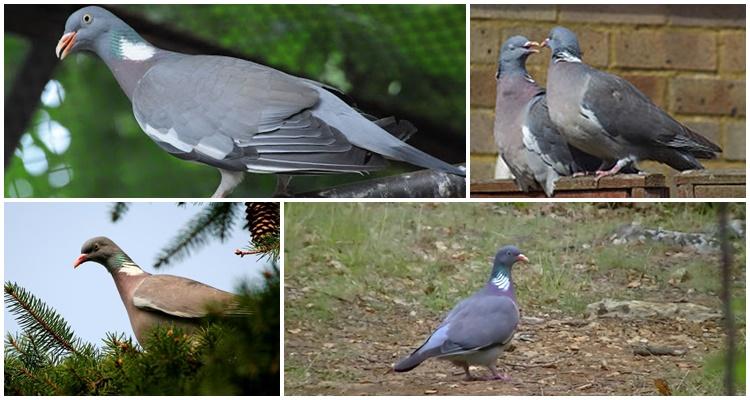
column 478, row 328
column 528, row 141
column 152, row 300
column 606, row 116
column 236, row 115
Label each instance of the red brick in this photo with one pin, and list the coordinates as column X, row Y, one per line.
column 481, row 131
column 483, row 86
column 732, row 51
column 734, row 146
column 707, row 15
column 665, row 49
column 614, row 14
column 707, row 96
column 651, row 85
column 525, row 12
column 484, row 43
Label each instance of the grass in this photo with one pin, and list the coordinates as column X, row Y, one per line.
column 435, row 254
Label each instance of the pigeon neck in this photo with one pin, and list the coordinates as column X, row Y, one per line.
column 121, row 263
column 513, row 67
column 500, row 279
column 127, row 55
column 566, row 56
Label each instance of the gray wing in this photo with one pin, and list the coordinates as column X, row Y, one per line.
column 181, row 297
column 629, row 116
column 486, row 322
column 547, row 152
column 237, row 115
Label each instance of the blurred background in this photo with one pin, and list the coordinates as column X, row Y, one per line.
column 70, row 132
column 689, row 59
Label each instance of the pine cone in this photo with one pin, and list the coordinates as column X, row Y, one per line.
column 262, row 220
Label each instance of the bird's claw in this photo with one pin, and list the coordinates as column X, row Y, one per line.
column 499, row 377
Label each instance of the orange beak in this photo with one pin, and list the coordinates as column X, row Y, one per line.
column 80, row 260
column 65, row 44
column 522, row 258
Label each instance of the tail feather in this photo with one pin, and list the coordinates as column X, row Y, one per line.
column 414, row 359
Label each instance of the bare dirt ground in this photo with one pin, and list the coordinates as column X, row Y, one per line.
column 346, row 325
column 553, row 355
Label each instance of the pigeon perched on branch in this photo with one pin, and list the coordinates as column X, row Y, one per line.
column 152, row 300
column 236, row 115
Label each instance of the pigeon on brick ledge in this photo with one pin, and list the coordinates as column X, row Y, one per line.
column 606, row 116
column 152, row 300
column 236, row 115
column 529, row 143
column 478, row 328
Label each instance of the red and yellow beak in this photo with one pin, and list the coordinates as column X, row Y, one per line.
column 522, row 258
column 80, row 260
column 65, row 44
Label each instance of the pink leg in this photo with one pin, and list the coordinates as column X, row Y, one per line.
column 496, row 376
column 620, row 164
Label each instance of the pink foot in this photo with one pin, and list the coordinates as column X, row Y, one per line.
column 498, row 377
column 602, row 174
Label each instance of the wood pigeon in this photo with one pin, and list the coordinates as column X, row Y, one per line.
column 606, row 116
column 478, row 328
column 152, row 300
column 529, row 143
column 236, row 115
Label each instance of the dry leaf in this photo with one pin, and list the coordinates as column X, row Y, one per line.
column 662, row 387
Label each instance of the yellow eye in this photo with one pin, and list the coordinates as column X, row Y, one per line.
column 87, row 18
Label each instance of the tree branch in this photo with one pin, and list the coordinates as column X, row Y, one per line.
column 419, row 184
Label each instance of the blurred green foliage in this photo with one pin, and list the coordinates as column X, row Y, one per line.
column 407, row 59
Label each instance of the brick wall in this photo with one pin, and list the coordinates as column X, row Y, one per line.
column 689, row 59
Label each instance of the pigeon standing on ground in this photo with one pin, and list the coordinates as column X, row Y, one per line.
column 531, row 146
column 152, row 300
column 606, row 116
column 236, row 115
column 478, row 328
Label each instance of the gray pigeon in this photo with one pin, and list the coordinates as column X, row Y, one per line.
column 233, row 114
column 478, row 328
column 606, row 116
column 531, row 146
column 152, row 300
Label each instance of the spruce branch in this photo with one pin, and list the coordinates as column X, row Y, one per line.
column 118, row 211
column 47, row 331
column 216, row 220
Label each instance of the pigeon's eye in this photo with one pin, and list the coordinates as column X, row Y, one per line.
column 96, row 247
column 87, row 18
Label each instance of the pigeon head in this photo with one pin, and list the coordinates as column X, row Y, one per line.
column 104, row 251
column 97, row 30
column 513, row 54
column 509, row 255
column 564, row 44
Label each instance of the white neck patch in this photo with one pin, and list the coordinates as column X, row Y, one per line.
column 130, row 269
column 564, row 56
column 501, row 281
column 136, row 51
